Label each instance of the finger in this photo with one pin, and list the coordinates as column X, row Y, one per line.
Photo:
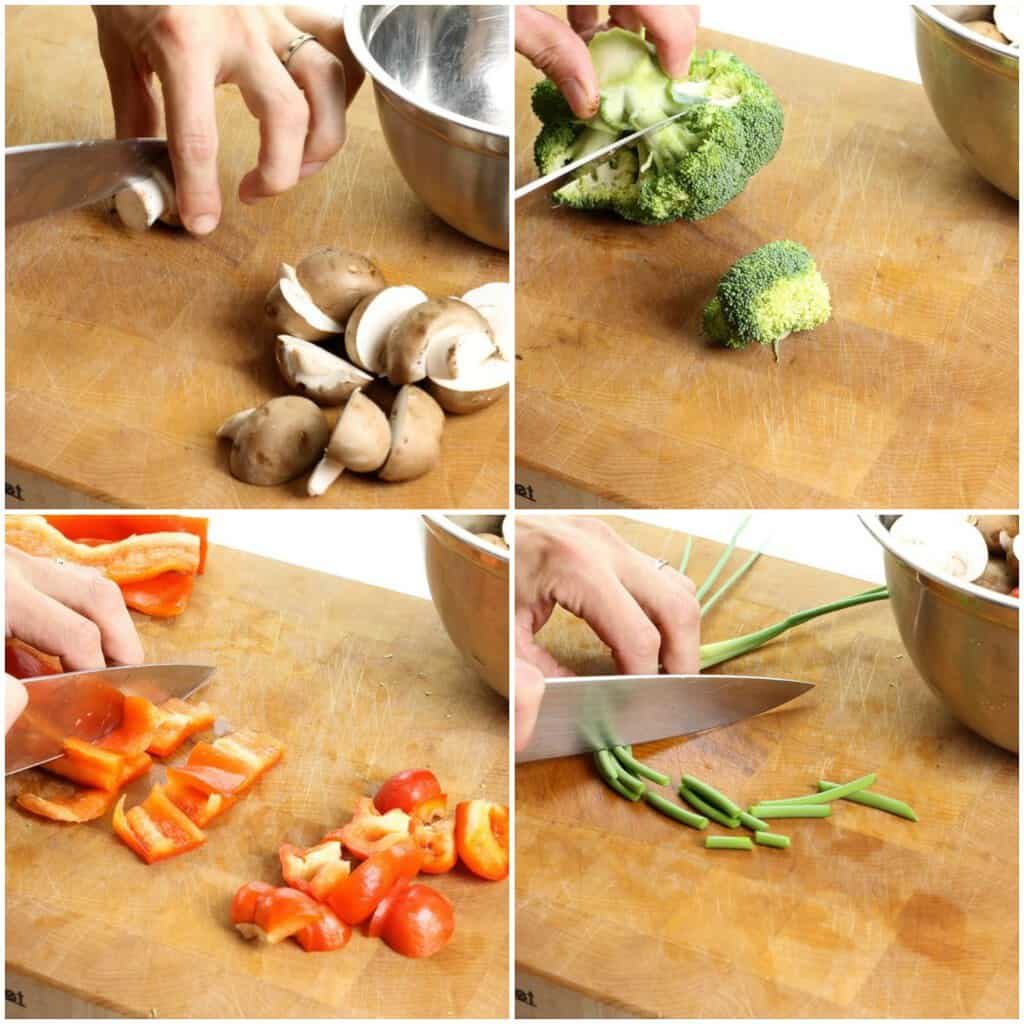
column 15, row 700
column 330, row 34
column 528, row 696
column 136, row 110
column 99, row 599
column 583, row 19
column 670, row 604
column 321, row 78
column 553, row 47
column 673, row 32
column 528, row 648
column 624, row 16
column 595, row 594
column 52, row 628
column 277, row 103
column 188, row 87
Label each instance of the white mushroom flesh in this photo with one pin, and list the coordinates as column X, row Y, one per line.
column 367, row 333
column 1008, row 19
column 941, row 544
column 494, row 302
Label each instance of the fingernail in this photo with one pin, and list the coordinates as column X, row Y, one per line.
column 203, row 224
column 579, row 99
column 311, row 168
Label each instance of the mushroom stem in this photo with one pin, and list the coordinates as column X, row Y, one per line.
column 326, row 472
column 230, row 427
column 145, row 200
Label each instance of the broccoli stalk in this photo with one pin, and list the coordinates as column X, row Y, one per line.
column 766, row 296
column 731, row 126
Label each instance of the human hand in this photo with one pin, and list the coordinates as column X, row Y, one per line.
column 15, row 699
column 560, row 51
column 192, row 50
column 69, row 611
column 647, row 615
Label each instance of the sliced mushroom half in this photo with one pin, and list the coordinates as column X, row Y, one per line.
column 417, row 422
column 314, row 372
column 292, row 312
column 337, row 280
column 360, row 441
column 368, row 327
column 494, row 302
column 435, row 324
column 473, row 390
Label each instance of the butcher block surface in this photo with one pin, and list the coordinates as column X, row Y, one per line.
column 896, row 401
column 126, row 352
column 866, row 915
column 358, row 683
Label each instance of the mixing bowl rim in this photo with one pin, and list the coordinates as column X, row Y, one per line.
column 442, row 522
column 873, row 524
column 931, row 12
column 369, row 64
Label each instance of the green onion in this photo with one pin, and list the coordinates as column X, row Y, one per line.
column 771, row 839
column 627, row 760
column 876, row 800
column 828, row 795
column 706, row 809
column 728, row 843
column 674, row 811
column 685, row 560
column 722, row 559
column 733, row 579
column 712, row 796
column 724, row 650
column 791, row 811
column 754, row 824
column 609, row 772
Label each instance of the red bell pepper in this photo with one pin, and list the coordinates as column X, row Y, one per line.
column 481, row 837
column 103, row 529
column 436, row 843
column 246, row 753
column 24, row 662
column 369, row 831
column 430, row 810
column 272, row 915
column 133, row 735
column 178, row 721
column 357, row 896
column 89, row 765
column 407, row 789
column 84, row 805
column 199, row 806
column 162, row 597
column 316, row 870
column 156, row 829
column 419, row 921
column 325, row 935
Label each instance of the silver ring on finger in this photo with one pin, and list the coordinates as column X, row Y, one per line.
column 294, row 46
column 662, row 562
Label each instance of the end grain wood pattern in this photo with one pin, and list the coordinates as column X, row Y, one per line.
column 358, row 683
column 907, row 397
column 621, row 911
column 125, row 353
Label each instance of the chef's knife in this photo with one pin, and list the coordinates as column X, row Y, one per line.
column 58, row 176
column 88, row 705
column 584, row 713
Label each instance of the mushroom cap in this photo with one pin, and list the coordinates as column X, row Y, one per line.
column 941, row 542
column 987, row 29
column 361, row 439
column 367, row 330
column 278, row 441
column 291, row 311
column 417, row 422
column 336, row 280
column 475, row 390
column 494, row 301
column 992, row 526
column 998, row 576
column 314, row 372
column 436, row 322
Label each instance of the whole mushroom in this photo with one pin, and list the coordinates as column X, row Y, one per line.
column 337, row 280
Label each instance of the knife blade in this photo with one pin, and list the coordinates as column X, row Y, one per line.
column 88, row 705
column 56, row 176
column 580, row 714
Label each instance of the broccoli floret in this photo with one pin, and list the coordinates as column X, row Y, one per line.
column 767, row 295
column 689, row 169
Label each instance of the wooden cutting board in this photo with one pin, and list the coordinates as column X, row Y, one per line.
column 358, row 683
column 622, row 911
column 125, row 353
column 896, row 401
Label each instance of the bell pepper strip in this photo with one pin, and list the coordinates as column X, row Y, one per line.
column 156, row 829
column 208, row 779
column 102, row 529
column 369, row 831
column 481, row 838
column 436, row 843
column 89, row 765
column 162, row 597
column 84, row 805
column 256, row 752
column 199, row 806
column 178, row 721
column 427, row 811
column 270, row 914
column 316, row 870
column 419, row 922
column 134, row 734
column 325, row 935
column 135, row 767
column 25, row 662
column 356, row 897
column 407, row 789
column 139, row 557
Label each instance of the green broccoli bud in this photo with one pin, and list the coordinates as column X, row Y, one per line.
column 548, row 103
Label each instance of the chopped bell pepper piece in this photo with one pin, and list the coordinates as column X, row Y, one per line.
column 199, row 806
column 84, row 805
column 25, row 662
column 156, row 829
column 316, row 870
column 325, row 935
column 369, row 831
column 162, row 597
column 89, row 765
column 133, row 735
column 135, row 767
column 272, row 915
column 208, row 779
column 177, row 721
column 430, row 810
column 257, row 751
column 481, row 838
column 436, row 842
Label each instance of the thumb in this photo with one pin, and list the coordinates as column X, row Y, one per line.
column 529, row 692
column 551, row 46
column 15, row 699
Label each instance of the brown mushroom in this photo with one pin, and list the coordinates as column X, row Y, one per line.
column 439, row 322
column 361, row 441
column 336, row 280
column 314, row 372
column 417, row 422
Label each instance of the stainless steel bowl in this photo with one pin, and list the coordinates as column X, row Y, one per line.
column 971, row 83
column 962, row 640
column 469, row 584
column 442, row 77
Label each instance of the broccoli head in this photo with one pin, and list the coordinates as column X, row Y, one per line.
column 767, row 295
column 731, row 127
